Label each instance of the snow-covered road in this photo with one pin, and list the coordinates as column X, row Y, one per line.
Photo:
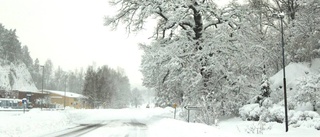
column 116, row 128
column 110, row 123
column 153, row 122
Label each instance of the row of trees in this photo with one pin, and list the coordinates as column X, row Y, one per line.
column 106, row 87
column 209, row 56
column 57, row 79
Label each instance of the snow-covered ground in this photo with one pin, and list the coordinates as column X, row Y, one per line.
column 157, row 122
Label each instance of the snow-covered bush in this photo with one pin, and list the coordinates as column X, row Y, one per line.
column 253, row 112
column 307, row 92
column 250, row 112
column 316, row 122
column 295, row 117
column 276, row 113
column 257, row 128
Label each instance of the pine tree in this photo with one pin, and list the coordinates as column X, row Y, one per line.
column 89, row 85
column 263, row 98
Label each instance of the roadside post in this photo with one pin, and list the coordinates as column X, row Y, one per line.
column 191, row 108
column 175, row 110
column 28, row 98
column 24, row 103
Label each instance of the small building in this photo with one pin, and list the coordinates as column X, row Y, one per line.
column 34, row 98
column 59, row 99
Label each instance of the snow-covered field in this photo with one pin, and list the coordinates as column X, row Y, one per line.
column 158, row 121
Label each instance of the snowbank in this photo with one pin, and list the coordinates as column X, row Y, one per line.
column 32, row 123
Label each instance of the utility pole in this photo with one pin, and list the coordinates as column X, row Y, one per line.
column 284, row 74
column 64, row 101
column 42, row 86
column 281, row 16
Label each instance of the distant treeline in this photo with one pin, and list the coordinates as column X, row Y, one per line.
column 104, row 86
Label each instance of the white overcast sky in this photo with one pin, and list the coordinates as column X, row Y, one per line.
column 71, row 33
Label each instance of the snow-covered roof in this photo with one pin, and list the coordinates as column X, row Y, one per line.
column 67, row 94
column 30, row 91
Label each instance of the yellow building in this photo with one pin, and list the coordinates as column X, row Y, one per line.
column 59, row 99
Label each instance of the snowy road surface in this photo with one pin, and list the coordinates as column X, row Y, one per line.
column 110, row 123
column 153, row 122
column 115, row 128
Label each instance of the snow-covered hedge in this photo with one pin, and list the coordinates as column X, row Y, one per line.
column 253, row 112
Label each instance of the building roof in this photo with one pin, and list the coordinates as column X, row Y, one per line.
column 67, row 94
column 28, row 91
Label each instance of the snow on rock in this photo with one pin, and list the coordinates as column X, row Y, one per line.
column 16, row 77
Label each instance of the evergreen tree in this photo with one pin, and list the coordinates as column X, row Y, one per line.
column 75, row 82
column 60, row 79
column 48, row 70
column 26, row 58
column 37, row 74
column 89, row 89
column 10, row 46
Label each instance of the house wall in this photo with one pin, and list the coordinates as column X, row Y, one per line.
column 59, row 101
column 33, row 98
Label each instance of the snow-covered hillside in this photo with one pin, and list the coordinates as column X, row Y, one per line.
column 16, row 77
column 294, row 72
column 302, row 86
